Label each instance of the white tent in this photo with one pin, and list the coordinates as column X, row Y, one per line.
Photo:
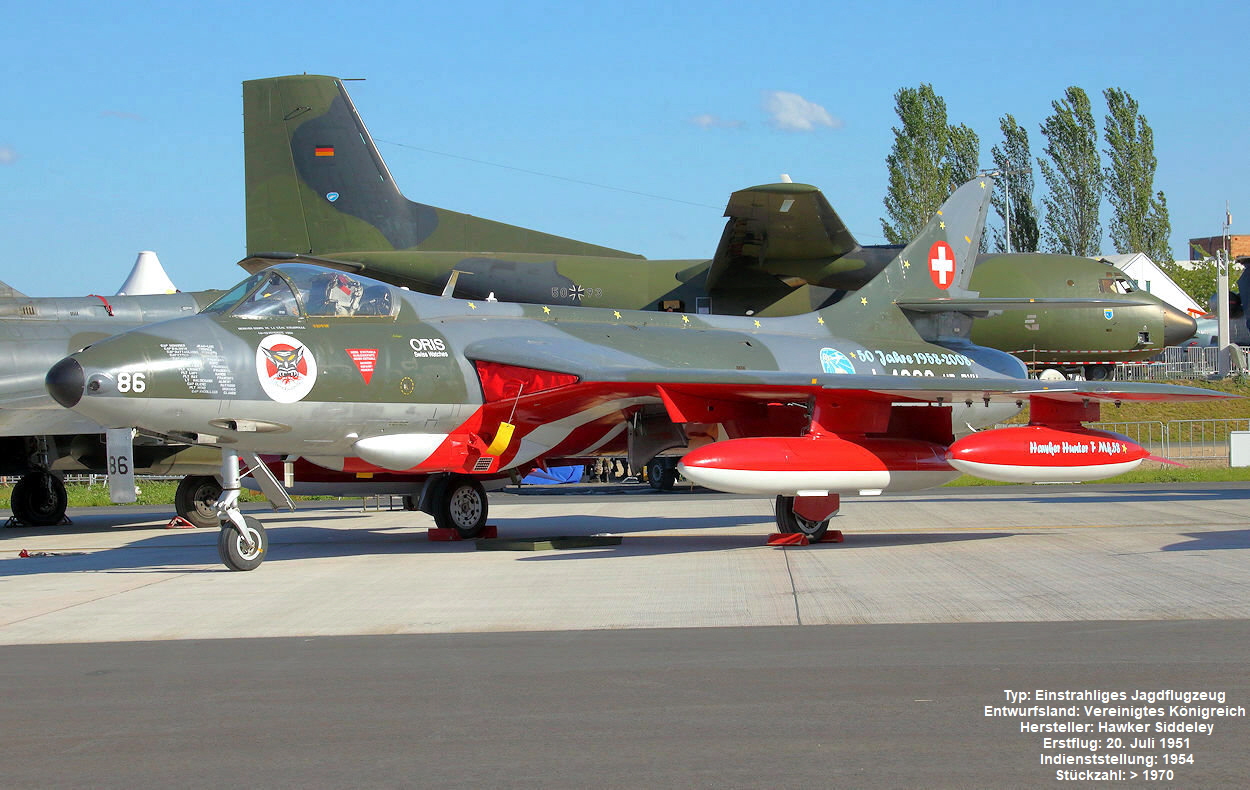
column 147, row 277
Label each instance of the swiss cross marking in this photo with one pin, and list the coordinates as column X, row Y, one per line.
column 942, row 264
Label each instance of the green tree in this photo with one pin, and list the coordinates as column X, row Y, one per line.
column 929, row 159
column 1073, row 176
column 1015, row 163
column 1140, row 223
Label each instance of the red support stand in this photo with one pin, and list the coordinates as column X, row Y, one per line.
column 489, row 532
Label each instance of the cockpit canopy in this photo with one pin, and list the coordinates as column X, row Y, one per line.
column 299, row 290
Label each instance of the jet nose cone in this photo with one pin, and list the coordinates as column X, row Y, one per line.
column 1177, row 326
column 65, row 382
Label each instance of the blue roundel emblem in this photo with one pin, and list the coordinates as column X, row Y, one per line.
column 834, row 361
column 332, row 196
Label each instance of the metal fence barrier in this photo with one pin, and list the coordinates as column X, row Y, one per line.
column 1177, row 362
column 1181, row 440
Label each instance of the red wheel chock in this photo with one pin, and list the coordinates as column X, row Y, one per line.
column 799, row 539
column 490, row 531
column 178, row 522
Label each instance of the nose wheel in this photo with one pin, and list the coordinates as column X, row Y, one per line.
column 242, row 548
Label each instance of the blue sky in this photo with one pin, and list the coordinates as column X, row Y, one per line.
column 121, row 127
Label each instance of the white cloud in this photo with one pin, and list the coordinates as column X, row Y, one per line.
column 7, row 155
column 709, row 121
column 792, row 113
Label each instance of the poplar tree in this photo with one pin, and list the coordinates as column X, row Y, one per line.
column 929, row 159
column 1015, row 163
column 1073, row 176
column 1140, row 223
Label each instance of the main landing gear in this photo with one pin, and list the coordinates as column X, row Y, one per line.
column 806, row 520
column 196, row 500
column 39, row 500
column 458, row 502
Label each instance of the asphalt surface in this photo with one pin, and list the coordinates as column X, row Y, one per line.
column 691, row 654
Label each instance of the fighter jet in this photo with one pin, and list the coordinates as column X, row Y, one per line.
column 863, row 396
column 318, row 190
column 40, row 441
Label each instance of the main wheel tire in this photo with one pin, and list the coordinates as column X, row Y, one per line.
column 196, row 500
column 461, row 505
column 661, row 476
column 239, row 554
column 789, row 521
column 39, row 500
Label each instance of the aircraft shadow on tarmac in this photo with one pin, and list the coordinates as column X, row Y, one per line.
column 1183, row 494
column 1213, row 541
column 291, row 539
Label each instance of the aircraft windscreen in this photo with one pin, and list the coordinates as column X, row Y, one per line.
column 1117, row 285
column 274, row 297
column 226, row 302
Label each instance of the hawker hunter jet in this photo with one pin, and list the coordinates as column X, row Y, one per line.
column 865, row 396
column 318, row 188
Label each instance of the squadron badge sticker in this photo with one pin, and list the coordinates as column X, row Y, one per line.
column 834, row 361
column 286, row 368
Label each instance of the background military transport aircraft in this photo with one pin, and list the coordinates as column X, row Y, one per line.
column 318, row 190
column 861, row 396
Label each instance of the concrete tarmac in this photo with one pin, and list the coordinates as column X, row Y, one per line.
column 691, row 654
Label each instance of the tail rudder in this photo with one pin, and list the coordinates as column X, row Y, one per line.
column 316, row 184
column 933, row 269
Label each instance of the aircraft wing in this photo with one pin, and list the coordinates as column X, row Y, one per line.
column 778, row 222
column 618, row 373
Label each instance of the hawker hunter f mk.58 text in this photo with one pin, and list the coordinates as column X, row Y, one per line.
column 876, row 392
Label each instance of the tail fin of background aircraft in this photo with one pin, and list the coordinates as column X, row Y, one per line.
column 926, row 285
column 316, row 184
column 7, row 290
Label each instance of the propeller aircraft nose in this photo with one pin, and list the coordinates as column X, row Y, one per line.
column 65, row 382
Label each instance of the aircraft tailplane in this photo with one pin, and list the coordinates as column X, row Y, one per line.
column 316, row 184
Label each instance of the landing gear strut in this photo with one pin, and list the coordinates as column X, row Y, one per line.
column 39, row 499
column 243, row 543
column 790, row 521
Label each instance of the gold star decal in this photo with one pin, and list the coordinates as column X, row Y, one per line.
column 820, row 319
column 983, row 185
column 616, row 314
column 685, row 319
column 852, row 355
column 546, row 310
column 863, row 300
column 757, row 324
column 906, row 264
column 472, row 306
column 942, row 225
